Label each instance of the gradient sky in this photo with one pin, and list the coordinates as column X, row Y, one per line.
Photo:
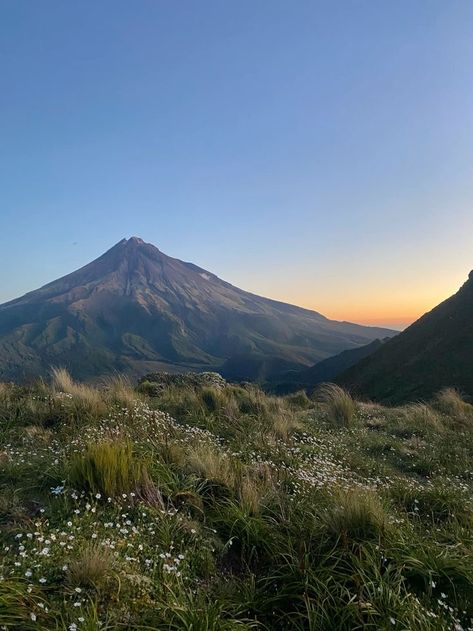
column 319, row 153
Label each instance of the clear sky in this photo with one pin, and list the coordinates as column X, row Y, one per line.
column 319, row 153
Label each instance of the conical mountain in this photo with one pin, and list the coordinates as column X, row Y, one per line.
column 435, row 352
column 134, row 310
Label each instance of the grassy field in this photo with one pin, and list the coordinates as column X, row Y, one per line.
column 199, row 505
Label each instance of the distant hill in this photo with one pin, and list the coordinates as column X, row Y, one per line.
column 324, row 371
column 136, row 310
column 433, row 353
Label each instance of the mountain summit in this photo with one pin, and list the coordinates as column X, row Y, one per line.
column 433, row 353
column 135, row 309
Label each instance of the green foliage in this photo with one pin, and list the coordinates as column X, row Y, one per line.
column 108, row 468
column 298, row 400
column 355, row 516
column 211, row 506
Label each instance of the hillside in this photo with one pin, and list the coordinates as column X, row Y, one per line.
column 136, row 310
column 324, row 371
column 433, row 353
column 197, row 505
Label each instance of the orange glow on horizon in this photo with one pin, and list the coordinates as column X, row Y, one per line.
column 393, row 304
column 397, row 317
column 388, row 320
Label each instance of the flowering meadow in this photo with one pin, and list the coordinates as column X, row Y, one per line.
column 206, row 506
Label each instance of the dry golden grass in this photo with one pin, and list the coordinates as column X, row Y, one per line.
column 285, row 424
column 4, row 390
column 339, row 405
column 255, row 484
column 450, row 402
column 92, row 567
column 422, row 415
column 89, row 399
column 39, row 434
column 209, row 463
column 355, row 515
column 119, row 389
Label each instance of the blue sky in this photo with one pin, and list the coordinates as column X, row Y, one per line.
column 315, row 152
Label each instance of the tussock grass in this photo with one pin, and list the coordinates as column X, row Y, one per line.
column 298, row 400
column 92, row 568
column 210, row 464
column 450, row 402
column 37, row 433
column 119, row 389
column 355, row 516
column 230, row 508
column 339, row 405
column 5, row 390
column 256, row 485
column 88, row 398
column 110, row 469
column 422, row 417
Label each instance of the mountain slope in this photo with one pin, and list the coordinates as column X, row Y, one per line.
column 433, row 353
column 324, row 371
column 135, row 310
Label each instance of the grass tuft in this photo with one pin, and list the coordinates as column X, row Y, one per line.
column 355, row 516
column 339, row 405
column 109, row 468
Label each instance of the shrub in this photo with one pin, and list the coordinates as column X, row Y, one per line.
column 149, row 388
column 339, row 404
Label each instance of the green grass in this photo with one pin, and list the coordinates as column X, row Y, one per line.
column 193, row 504
column 107, row 468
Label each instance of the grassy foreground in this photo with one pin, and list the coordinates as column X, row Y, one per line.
column 199, row 505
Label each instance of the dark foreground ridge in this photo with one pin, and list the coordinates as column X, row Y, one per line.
column 433, row 353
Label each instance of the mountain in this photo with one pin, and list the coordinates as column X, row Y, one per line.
column 324, row 371
column 136, row 310
column 433, row 353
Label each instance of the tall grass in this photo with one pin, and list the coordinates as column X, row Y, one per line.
column 90, row 399
column 210, row 463
column 450, row 402
column 355, row 515
column 109, row 468
column 92, row 567
column 243, row 510
column 119, row 389
column 339, row 405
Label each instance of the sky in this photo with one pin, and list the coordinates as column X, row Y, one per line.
column 316, row 152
